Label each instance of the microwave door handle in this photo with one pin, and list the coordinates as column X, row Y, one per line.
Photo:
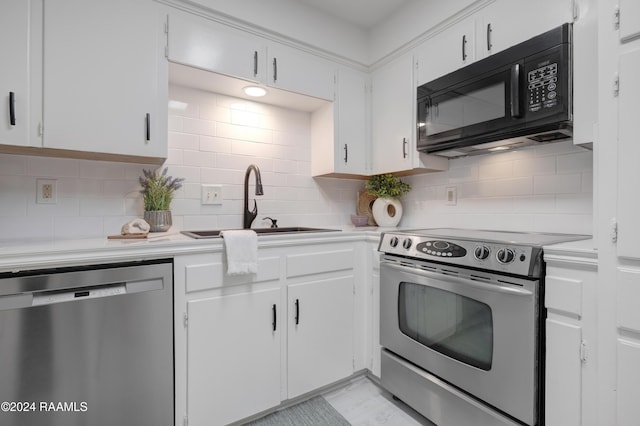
column 515, row 91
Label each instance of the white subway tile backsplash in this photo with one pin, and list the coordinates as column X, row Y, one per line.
column 546, row 188
column 558, row 184
column 52, row 167
column 12, row 165
column 199, row 127
column 183, row 141
column 575, row 162
column 214, row 138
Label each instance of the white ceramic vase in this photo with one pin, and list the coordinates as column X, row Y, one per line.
column 387, row 212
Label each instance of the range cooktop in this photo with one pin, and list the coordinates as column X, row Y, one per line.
column 509, row 252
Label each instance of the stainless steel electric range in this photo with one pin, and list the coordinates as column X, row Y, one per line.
column 462, row 323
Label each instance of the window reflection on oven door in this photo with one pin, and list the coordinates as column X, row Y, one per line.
column 476, row 333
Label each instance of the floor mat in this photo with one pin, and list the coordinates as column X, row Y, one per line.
column 314, row 412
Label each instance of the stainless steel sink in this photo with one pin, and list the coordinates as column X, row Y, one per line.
column 260, row 231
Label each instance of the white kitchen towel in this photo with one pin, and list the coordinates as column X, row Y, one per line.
column 242, row 251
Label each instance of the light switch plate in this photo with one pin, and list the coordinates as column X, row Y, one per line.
column 211, row 195
column 452, row 196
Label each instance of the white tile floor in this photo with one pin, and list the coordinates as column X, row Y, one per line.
column 364, row 403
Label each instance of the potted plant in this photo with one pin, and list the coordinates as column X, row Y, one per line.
column 158, row 190
column 387, row 209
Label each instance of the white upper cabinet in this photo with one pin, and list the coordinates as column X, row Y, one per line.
column 498, row 29
column 628, row 154
column 300, row 72
column 393, row 121
column 491, row 30
column 339, row 129
column 629, row 19
column 447, row 51
column 394, row 97
column 105, row 79
column 20, row 89
column 210, row 46
column 585, row 71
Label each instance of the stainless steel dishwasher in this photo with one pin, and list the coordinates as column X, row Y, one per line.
column 88, row 346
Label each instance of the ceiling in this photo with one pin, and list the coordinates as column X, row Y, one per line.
column 363, row 13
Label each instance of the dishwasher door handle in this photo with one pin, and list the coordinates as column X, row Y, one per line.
column 78, row 294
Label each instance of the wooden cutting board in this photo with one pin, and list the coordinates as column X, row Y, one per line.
column 127, row 237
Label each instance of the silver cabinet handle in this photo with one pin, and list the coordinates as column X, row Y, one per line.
column 405, row 142
column 275, row 69
column 464, row 47
column 346, row 153
column 489, row 30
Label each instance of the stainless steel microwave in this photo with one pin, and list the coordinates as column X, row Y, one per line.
column 520, row 96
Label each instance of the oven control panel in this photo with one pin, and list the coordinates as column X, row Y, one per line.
column 502, row 257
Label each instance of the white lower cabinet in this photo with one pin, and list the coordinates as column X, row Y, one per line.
column 570, row 374
column 233, row 349
column 244, row 344
column 320, row 334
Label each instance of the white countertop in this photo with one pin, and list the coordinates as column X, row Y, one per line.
column 18, row 256
column 582, row 249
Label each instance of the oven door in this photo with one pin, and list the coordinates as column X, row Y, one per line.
column 474, row 330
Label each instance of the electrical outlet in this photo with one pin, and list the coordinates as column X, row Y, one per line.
column 46, row 191
column 452, row 196
column 211, row 195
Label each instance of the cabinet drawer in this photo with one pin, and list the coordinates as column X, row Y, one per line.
column 564, row 295
column 319, row 262
column 212, row 275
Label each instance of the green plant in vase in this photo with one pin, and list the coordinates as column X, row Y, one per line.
column 157, row 190
column 387, row 209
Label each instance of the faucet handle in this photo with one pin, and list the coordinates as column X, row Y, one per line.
column 274, row 222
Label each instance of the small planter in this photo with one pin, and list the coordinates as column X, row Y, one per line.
column 158, row 220
column 387, row 212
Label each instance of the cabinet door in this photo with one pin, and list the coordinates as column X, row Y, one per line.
column 233, row 360
column 300, row 72
column 446, row 52
column 563, row 394
column 210, row 46
column 18, row 34
column 105, row 80
column 497, row 30
column 629, row 19
column 392, row 115
column 350, row 122
column 628, row 154
column 320, row 337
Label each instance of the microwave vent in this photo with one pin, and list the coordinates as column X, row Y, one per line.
column 549, row 136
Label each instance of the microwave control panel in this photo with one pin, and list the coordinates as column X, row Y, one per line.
column 543, row 87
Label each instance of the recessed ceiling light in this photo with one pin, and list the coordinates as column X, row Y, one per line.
column 254, row 91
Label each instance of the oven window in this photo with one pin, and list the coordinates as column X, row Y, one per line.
column 454, row 325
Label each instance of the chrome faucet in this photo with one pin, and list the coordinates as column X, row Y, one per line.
column 249, row 216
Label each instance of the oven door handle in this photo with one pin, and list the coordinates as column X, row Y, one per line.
column 467, row 281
